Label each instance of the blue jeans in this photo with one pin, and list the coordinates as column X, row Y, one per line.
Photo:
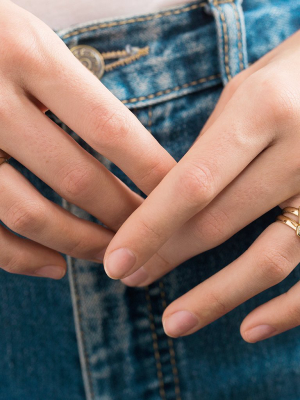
column 89, row 337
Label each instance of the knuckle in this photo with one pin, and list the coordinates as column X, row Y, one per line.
column 274, row 266
column 196, row 184
column 277, row 98
column 14, row 265
column 213, row 227
column 77, row 181
column 26, row 217
column 147, row 231
column 107, row 129
column 292, row 312
column 154, row 173
column 22, row 47
column 216, row 305
column 80, row 247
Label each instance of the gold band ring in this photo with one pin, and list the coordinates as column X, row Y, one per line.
column 288, row 221
column 292, row 210
column 4, row 157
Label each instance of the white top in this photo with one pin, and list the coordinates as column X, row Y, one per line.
column 60, row 14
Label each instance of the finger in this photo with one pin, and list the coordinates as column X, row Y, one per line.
column 58, row 160
column 58, row 79
column 274, row 254
column 24, row 210
column 191, row 185
column 245, row 199
column 22, row 256
column 274, row 317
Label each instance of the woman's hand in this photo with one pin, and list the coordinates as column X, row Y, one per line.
column 38, row 72
column 244, row 163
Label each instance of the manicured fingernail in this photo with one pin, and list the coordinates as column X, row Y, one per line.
column 179, row 323
column 260, row 332
column 119, row 263
column 100, row 255
column 137, row 278
column 51, row 271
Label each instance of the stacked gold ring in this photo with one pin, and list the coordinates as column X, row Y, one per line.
column 288, row 221
column 4, row 157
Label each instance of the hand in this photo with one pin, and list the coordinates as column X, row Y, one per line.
column 38, row 72
column 244, row 163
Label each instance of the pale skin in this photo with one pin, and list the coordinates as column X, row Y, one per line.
column 243, row 163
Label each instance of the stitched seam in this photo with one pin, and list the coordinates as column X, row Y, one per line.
column 226, row 42
column 132, row 20
column 160, row 376
column 81, row 330
column 216, row 2
column 167, row 91
column 239, row 30
column 171, row 348
column 78, row 317
column 127, row 60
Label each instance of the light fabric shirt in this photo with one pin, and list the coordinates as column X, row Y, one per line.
column 63, row 13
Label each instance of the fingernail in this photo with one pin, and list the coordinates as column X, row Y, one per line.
column 100, row 256
column 179, row 323
column 119, row 263
column 137, row 278
column 51, row 271
column 260, row 332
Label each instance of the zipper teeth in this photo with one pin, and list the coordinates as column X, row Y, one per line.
column 124, row 60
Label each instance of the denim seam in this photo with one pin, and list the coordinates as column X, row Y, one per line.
column 171, row 348
column 226, row 41
column 238, row 26
column 175, row 89
column 160, row 375
column 132, row 20
column 81, row 341
column 125, row 60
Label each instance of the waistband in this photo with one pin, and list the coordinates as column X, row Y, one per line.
column 164, row 55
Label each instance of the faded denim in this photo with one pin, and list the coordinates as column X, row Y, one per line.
column 89, row 337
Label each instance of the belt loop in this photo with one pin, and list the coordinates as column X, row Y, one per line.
column 229, row 18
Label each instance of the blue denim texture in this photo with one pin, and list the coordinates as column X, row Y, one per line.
column 122, row 350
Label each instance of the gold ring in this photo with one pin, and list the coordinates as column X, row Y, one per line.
column 292, row 210
column 288, row 221
column 4, row 157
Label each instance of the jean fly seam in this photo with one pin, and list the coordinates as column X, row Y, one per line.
column 82, row 332
column 239, row 30
column 167, row 91
column 160, row 375
column 226, row 41
column 132, row 20
column 84, row 359
column 171, row 347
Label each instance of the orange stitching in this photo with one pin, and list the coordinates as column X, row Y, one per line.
column 216, row 2
column 171, row 348
column 238, row 25
column 132, row 20
column 126, row 60
column 162, row 92
column 162, row 391
column 226, row 43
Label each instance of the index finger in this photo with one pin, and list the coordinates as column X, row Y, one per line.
column 64, row 85
column 228, row 146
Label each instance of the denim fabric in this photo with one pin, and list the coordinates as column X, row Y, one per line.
column 124, row 354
